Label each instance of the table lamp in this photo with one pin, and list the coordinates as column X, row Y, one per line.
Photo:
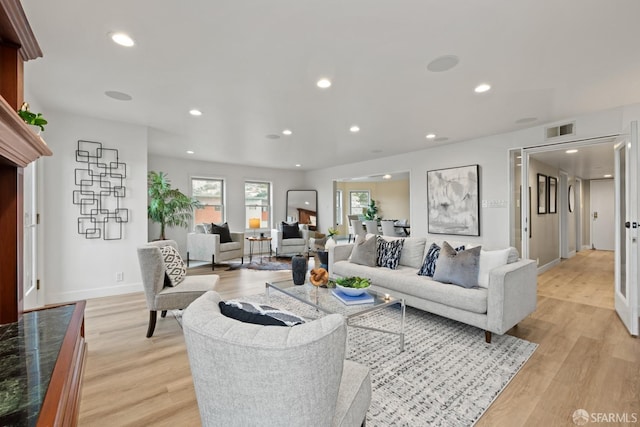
column 254, row 223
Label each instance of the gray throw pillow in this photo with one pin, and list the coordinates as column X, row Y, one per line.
column 458, row 268
column 364, row 251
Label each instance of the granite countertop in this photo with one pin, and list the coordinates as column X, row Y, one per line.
column 28, row 353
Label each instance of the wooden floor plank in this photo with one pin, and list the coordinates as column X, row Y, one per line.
column 585, row 359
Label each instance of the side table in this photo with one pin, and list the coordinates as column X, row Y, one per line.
column 260, row 241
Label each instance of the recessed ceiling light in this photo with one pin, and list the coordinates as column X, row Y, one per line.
column 189, row 152
column 481, row 88
column 431, row 136
column 519, row 164
column 526, row 120
column 443, row 63
column 195, row 112
column 122, row 39
column 386, row 176
column 306, row 203
column 120, row 96
column 354, row 129
column 571, row 151
column 298, row 165
column 287, row 132
column 324, row 83
column 608, row 175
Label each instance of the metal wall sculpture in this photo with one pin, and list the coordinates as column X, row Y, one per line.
column 101, row 188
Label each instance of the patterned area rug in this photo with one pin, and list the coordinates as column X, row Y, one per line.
column 255, row 265
column 447, row 375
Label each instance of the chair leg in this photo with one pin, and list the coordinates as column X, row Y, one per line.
column 152, row 323
column 163, row 314
column 242, row 260
column 487, row 337
column 213, row 262
column 187, row 259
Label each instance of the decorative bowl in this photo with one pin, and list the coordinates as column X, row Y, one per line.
column 353, row 292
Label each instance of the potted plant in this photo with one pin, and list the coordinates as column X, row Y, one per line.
column 330, row 240
column 168, row 206
column 30, row 118
column 372, row 211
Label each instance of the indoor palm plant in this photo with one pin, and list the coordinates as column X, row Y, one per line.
column 168, row 206
column 30, row 118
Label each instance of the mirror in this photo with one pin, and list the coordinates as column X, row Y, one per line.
column 302, row 207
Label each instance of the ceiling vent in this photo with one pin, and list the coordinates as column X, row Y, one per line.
column 560, row 130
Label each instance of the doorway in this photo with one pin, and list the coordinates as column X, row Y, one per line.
column 602, row 215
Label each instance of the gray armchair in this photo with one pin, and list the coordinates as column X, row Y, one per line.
column 160, row 298
column 292, row 246
column 252, row 375
column 205, row 246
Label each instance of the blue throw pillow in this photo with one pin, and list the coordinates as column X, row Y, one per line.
column 429, row 263
column 389, row 252
column 250, row 312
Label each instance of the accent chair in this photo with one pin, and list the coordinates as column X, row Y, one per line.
column 252, row 375
column 205, row 246
column 159, row 297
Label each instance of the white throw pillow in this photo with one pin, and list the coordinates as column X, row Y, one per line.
column 488, row 261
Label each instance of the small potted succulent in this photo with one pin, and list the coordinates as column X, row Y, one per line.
column 31, row 118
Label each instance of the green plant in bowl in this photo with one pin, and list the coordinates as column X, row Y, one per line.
column 353, row 286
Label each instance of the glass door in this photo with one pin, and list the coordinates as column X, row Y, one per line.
column 626, row 238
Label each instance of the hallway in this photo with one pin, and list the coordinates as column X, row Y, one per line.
column 587, row 278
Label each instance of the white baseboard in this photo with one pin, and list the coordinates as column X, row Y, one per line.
column 107, row 291
column 586, row 247
column 548, row 266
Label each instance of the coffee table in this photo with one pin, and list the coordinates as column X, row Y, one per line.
column 323, row 300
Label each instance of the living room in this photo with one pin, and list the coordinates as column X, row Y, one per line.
column 87, row 269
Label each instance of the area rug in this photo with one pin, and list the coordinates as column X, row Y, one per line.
column 447, row 375
column 255, row 265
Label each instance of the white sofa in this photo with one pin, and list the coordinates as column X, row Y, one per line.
column 204, row 246
column 510, row 297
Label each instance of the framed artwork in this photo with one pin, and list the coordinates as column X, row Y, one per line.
column 453, row 201
column 552, row 193
column 542, row 194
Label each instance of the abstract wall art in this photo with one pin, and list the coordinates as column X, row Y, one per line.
column 101, row 187
column 453, row 201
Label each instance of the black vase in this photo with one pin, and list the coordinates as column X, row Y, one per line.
column 299, row 269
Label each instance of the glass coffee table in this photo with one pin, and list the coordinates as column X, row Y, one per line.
column 323, row 300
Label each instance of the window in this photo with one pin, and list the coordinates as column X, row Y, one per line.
column 210, row 192
column 338, row 207
column 257, row 201
column 358, row 201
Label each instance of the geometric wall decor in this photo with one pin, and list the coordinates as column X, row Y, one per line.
column 453, row 201
column 101, row 187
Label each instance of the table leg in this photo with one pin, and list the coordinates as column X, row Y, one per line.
column 402, row 317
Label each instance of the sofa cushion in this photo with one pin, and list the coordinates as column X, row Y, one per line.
column 175, row 267
column 223, row 231
column 458, row 268
column 488, row 261
column 231, row 246
column 290, row 231
column 405, row 280
column 250, row 312
column 412, row 250
column 429, row 263
column 514, row 256
column 293, row 242
column 364, row 251
column 388, row 252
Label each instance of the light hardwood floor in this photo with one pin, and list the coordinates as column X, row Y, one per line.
column 585, row 358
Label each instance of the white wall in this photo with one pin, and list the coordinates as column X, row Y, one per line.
column 180, row 172
column 490, row 152
column 74, row 267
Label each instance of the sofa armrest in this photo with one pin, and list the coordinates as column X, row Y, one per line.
column 338, row 253
column 276, row 238
column 512, row 294
column 238, row 237
column 201, row 246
